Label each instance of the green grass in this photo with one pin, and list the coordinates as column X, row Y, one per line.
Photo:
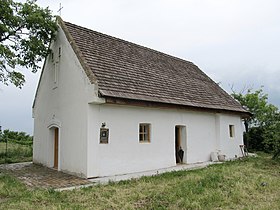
column 253, row 183
column 16, row 152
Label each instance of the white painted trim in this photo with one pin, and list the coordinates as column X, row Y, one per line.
column 54, row 123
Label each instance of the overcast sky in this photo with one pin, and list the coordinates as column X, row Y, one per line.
column 235, row 42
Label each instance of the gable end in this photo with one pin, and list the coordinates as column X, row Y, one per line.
column 92, row 78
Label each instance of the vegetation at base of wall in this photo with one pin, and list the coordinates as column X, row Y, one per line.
column 251, row 183
column 18, row 144
column 263, row 128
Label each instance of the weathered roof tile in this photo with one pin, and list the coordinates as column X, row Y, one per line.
column 129, row 71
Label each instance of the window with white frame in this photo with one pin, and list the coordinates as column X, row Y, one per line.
column 144, row 132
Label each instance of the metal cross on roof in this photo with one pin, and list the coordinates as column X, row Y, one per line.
column 59, row 10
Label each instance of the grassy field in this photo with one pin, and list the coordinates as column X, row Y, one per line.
column 16, row 153
column 253, row 183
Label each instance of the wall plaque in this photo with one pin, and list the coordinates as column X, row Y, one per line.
column 104, row 135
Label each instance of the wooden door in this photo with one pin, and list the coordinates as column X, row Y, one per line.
column 55, row 164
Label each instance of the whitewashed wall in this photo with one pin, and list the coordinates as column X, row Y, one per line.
column 124, row 153
column 62, row 105
column 227, row 143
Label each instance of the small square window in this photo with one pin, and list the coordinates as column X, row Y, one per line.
column 231, row 131
column 144, row 132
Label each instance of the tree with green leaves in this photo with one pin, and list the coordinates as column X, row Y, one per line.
column 26, row 31
column 256, row 102
column 263, row 128
column 272, row 137
column 15, row 136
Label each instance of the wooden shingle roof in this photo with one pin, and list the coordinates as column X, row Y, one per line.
column 126, row 70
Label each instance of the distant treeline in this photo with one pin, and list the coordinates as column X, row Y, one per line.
column 16, row 137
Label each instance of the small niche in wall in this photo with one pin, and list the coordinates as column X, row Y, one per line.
column 59, row 52
column 231, row 131
column 104, row 134
column 52, row 57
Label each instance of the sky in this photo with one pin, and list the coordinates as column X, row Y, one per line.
column 235, row 42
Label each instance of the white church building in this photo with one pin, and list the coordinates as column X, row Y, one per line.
column 105, row 106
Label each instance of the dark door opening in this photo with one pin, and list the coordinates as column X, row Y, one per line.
column 180, row 143
column 177, row 143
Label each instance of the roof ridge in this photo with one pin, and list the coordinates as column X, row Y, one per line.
column 129, row 42
column 140, row 46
